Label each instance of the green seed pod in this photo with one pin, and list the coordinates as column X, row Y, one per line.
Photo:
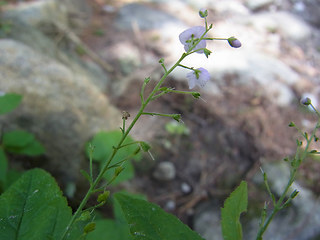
column 103, row 196
column 89, row 227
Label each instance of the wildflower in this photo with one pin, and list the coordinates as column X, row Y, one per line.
column 203, row 13
column 199, row 76
column 190, row 36
column 234, row 42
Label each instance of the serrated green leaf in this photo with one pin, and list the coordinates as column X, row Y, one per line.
column 17, row 139
column 148, row 221
column 234, row 205
column 33, row 208
column 9, row 102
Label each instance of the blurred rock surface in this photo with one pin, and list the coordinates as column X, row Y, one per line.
column 61, row 107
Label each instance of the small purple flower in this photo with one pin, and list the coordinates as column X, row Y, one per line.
column 189, row 36
column 199, row 76
column 234, row 42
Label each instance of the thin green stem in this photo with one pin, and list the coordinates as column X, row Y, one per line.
column 115, row 150
column 90, row 162
column 183, row 66
column 123, row 125
column 158, row 114
column 296, row 164
column 215, row 39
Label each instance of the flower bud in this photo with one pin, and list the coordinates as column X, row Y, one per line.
column 291, row 124
column 89, row 227
column 118, row 170
column 145, row 146
column 203, row 13
column 234, row 42
column 85, row 216
column 177, row 117
column 305, row 101
column 103, row 196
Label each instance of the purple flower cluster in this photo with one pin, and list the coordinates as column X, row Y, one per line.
column 190, row 39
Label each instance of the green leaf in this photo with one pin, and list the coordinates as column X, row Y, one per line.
column 103, row 143
column 234, row 205
column 35, row 148
column 9, row 102
column 108, row 229
column 117, row 210
column 22, row 142
column 33, row 208
column 12, row 176
column 149, row 221
column 118, row 229
column 17, row 138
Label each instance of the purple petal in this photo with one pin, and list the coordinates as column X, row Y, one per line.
column 204, row 77
column 195, row 32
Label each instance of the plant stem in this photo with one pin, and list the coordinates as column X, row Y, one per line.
column 115, row 149
column 296, row 164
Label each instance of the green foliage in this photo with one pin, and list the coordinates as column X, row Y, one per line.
column 109, row 229
column 34, row 208
column 234, row 205
column 3, row 169
column 22, row 142
column 9, row 102
column 103, row 143
column 149, row 221
column 115, row 229
column 18, row 142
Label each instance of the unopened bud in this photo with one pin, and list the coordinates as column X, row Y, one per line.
column 89, row 227
column 176, row 117
column 118, row 170
column 305, row 101
column 103, row 196
column 291, row 124
column 234, row 42
column 203, row 13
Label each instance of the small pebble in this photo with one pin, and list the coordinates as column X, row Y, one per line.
column 165, row 171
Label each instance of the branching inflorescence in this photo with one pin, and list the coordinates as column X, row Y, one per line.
column 194, row 41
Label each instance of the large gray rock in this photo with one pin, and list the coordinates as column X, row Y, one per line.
column 61, row 107
column 44, row 14
column 144, row 17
